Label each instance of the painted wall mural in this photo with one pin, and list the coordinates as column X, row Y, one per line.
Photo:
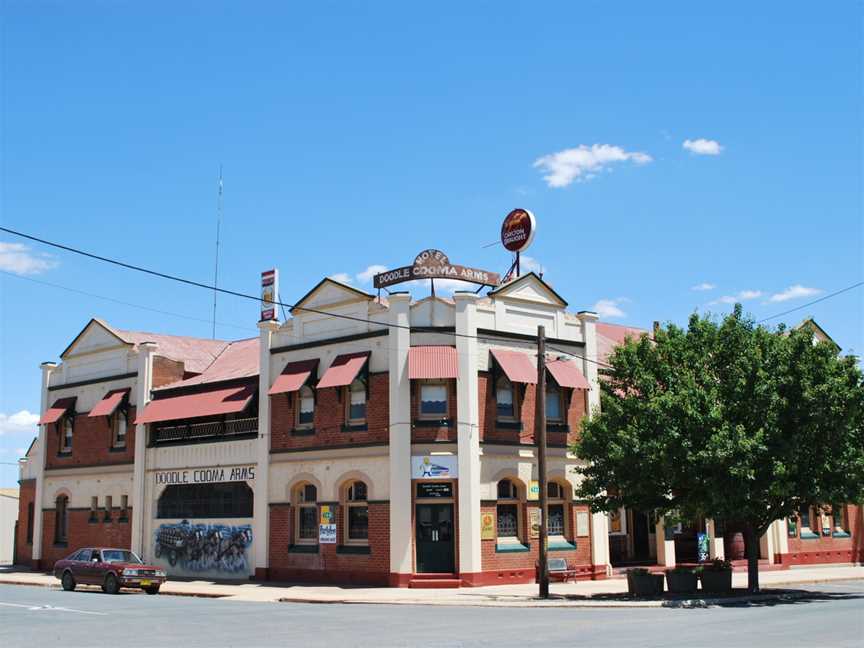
column 204, row 547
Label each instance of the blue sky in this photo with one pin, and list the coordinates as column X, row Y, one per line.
column 358, row 134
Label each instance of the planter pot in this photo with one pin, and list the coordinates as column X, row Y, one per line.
column 648, row 585
column 733, row 546
column 681, row 582
column 717, row 582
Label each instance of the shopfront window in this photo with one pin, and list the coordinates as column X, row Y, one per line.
column 433, row 400
column 838, row 513
column 306, row 521
column 357, row 513
column 357, row 403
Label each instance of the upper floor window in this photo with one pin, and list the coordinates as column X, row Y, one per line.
column 305, row 407
column 306, row 518
column 505, row 399
column 67, row 425
column 433, row 400
column 356, row 514
column 61, row 519
column 554, row 409
column 357, row 402
column 121, row 423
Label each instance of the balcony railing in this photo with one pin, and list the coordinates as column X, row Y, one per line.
column 206, row 432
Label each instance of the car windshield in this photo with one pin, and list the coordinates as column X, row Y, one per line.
column 116, row 555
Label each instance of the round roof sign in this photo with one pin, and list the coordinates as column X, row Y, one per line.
column 518, row 229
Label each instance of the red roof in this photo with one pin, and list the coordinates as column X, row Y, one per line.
column 610, row 336
column 213, row 402
column 426, row 362
column 108, row 405
column 294, row 376
column 519, row 367
column 238, row 359
column 344, row 370
column 57, row 410
column 566, row 373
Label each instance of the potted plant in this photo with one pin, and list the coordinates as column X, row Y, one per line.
column 641, row 582
column 681, row 580
column 717, row 576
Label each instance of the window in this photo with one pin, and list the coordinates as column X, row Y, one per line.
column 357, row 403
column 94, row 509
column 121, row 423
column 553, row 404
column 66, row 427
column 838, row 512
column 61, row 519
column 505, row 399
column 508, row 510
column 120, row 556
column 805, row 517
column 124, row 508
column 433, row 400
column 557, row 524
column 225, row 500
column 305, row 407
column 30, row 523
column 306, row 496
column 108, row 508
column 357, row 514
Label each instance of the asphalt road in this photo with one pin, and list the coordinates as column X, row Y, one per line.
column 38, row 616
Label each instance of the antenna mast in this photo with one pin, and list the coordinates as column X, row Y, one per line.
column 216, row 270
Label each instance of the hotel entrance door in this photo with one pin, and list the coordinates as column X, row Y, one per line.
column 434, row 538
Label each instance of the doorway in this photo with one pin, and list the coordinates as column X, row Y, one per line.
column 434, row 539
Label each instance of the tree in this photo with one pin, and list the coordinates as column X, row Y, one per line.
column 726, row 420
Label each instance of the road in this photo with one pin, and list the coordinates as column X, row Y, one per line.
column 38, row 616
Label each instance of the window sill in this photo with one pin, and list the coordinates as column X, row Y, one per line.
column 432, row 423
column 809, row 535
column 359, row 550
column 117, row 449
column 355, row 427
column 303, row 432
column 509, row 425
column 123, row 520
column 511, row 547
column 303, row 548
column 557, row 427
column 840, row 534
column 60, row 544
column 93, row 520
column 561, row 545
column 63, row 455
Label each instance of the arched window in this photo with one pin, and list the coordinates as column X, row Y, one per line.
column 508, row 510
column 357, row 403
column 306, row 518
column 61, row 519
column 554, row 408
column 121, row 423
column 305, row 407
column 505, row 399
column 557, row 506
column 67, row 425
column 356, row 514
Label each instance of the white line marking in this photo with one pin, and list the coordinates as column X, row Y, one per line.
column 51, row 608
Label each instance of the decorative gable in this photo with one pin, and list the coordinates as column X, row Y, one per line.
column 330, row 293
column 529, row 288
column 96, row 336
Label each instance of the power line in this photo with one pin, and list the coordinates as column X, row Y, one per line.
column 815, row 301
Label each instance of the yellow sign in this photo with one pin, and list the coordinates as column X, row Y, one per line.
column 534, row 490
column 487, row 526
column 328, row 514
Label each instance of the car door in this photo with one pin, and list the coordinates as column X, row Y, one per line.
column 79, row 564
column 91, row 567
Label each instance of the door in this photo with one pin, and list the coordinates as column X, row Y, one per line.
column 434, row 538
column 91, row 570
column 641, row 549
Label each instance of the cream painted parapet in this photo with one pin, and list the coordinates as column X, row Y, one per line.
column 589, row 362
column 401, row 563
column 143, row 384
column 468, row 433
column 47, row 369
column 261, row 507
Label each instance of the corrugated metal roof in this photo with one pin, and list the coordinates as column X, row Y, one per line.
column 294, row 376
column 237, row 360
column 196, row 353
column 212, row 402
column 610, row 336
column 566, row 373
column 519, row 367
column 57, row 410
column 109, row 404
column 344, row 370
column 425, row 362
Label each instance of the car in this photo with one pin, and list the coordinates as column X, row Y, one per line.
column 110, row 568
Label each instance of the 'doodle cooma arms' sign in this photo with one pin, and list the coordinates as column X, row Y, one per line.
column 434, row 264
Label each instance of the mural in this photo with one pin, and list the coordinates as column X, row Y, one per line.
column 204, row 547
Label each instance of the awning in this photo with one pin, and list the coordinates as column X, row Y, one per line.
column 108, row 405
column 213, row 402
column 293, row 376
column 344, row 370
column 57, row 410
column 432, row 362
column 566, row 373
column 518, row 367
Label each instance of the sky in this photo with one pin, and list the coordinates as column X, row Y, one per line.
column 678, row 158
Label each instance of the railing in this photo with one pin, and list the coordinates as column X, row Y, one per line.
column 209, row 431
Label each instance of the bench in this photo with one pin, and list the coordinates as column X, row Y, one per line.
column 558, row 570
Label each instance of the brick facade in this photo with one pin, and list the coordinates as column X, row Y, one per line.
column 167, row 371
column 82, row 532
column 26, row 498
column 92, row 443
column 828, row 548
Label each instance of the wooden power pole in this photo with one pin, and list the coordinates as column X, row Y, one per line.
column 540, row 435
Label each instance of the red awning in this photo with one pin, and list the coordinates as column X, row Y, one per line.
column 432, row 362
column 344, row 369
column 108, row 405
column 519, row 367
column 57, row 410
column 213, row 402
column 566, row 373
column 293, row 376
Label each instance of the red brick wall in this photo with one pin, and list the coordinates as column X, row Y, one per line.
column 828, row 549
column 330, row 417
column 166, row 371
column 329, row 566
column 83, row 533
column 91, row 443
column 26, row 496
column 423, row 434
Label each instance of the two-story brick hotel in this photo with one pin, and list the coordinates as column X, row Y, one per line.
column 364, row 440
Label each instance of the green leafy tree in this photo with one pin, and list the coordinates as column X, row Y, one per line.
column 726, row 420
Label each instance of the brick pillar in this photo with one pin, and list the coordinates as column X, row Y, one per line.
column 715, row 543
column 143, row 383
column 665, row 545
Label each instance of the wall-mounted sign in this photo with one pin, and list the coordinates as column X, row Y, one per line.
column 327, row 524
column 435, row 489
column 534, row 516
column 434, row 264
column 518, row 230
column 212, row 475
column 487, row 526
column 534, row 490
column 434, row 467
column 582, row 524
column 269, row 294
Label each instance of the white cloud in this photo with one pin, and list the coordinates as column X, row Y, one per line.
column 742, row 296
column 610, row 307
column 584, row 162
column 794, row 292
column 343, row 277
column 371, row 271
column 704, row 286
column 22, row 421
column 18, row 259
column 703, row 146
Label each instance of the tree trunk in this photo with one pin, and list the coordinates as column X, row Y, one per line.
column 751, row 541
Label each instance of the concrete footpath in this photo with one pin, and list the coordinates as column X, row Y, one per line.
column 787, row 584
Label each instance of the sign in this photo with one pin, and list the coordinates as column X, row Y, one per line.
column 534, row 490
column 435, row 489
column 269, row 294
column 487, row 526
column 434, row 467
column 214, row 475
column 702, row 547
column 434, row 264
column 327, row 524
column 582, row 524
column 534, row 516
column 518, row 230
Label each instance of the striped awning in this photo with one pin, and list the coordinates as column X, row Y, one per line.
column 425, row 362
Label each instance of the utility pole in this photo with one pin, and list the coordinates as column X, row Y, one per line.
column 540, row 435
column 216, row 270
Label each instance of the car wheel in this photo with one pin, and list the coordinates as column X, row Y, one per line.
column 152, row 590
column 172, row 557
column 111, row 585
column 68, row 581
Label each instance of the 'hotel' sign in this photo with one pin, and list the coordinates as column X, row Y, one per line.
column 434, row 264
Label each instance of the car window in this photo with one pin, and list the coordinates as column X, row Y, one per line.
column 95, row 556
column 83, row 554
column 118, row 555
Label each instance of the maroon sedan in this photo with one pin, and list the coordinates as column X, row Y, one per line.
column 110, row 568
